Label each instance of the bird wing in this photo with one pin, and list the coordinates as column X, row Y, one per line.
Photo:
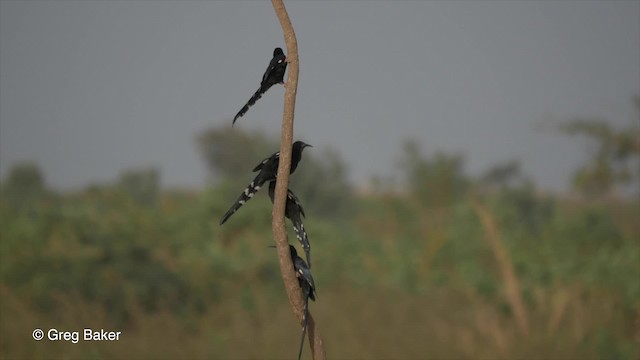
column 303, row 272
column 263, row 162
column 272, row 66
column 296, row 201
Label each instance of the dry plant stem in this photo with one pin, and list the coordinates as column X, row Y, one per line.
column 286, row 139
column 512, row 285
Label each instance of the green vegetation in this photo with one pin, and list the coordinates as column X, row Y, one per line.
column 418, row 273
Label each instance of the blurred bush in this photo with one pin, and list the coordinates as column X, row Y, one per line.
column 400, row 273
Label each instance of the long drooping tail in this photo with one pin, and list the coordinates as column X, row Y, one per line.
column 256, row 96
column 245, row 196
column 295, row 212
column 301, row 234
column 304, row 324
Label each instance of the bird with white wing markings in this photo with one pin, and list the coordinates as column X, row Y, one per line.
column 303, row 273
column 294, row 212
column 273, row 75
column 308, row 286
column 268, row 170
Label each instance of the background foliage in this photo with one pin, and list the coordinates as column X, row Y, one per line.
column 405, row 271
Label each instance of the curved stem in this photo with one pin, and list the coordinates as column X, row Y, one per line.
column 286, row 139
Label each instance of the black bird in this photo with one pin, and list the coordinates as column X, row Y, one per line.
column 268, row 169
column 294, row 212
column 303, row 273
column 273, row 75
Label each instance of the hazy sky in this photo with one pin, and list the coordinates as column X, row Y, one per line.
column 88, row 89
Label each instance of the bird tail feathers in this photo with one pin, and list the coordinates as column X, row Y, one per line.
column 303, row 238
column 256, row 96
column 245, row 196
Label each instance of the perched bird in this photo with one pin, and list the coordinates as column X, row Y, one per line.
column 268, row 169
column 273, row 75
column 294, row 212
column 303, row 273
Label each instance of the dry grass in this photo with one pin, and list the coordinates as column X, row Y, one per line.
column 493, row 238
column 363, row 324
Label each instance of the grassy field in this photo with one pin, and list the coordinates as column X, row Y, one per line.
column 496, row 275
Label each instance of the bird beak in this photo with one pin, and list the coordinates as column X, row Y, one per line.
column 307, row 145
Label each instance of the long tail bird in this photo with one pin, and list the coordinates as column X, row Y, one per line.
column 294, row 212
column 268, row 169
column 273, row 75
column 303, row 273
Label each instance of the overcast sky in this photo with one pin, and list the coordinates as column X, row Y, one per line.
column 88, row 89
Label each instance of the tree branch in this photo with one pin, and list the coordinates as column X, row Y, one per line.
column 286, row 139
